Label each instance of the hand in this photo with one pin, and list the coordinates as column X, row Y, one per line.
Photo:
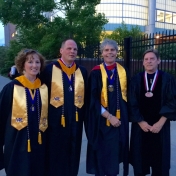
column 144, row 126
column 158, row 125
column 115, row 121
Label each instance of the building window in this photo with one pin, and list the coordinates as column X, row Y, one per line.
column 168, row 17
column 160, row 16
column 174, row 18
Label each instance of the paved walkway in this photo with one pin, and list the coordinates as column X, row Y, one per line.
column 82, row 169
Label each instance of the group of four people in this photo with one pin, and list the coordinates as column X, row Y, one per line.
column 42, row 114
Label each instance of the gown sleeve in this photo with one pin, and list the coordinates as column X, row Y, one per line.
column 168, row 109
column 133, row 100
column 93, row 108
column 5, row 110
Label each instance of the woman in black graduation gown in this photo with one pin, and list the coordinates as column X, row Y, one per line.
column 23, row 118
column 107, row 120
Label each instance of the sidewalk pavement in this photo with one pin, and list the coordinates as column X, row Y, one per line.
column 82, row 168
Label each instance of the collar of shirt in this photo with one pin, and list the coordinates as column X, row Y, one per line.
column 113, row 65
column 69, row 66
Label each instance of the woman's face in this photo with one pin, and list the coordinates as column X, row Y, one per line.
column 32, row 65
column 109, row 54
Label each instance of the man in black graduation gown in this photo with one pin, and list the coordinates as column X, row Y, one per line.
column 107, row 119
column 152, row 99
column 66, row 83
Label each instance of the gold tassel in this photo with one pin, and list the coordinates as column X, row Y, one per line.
column 118, row 113
column 107, row 122
column 63, row 121
column 39, row 138
column 76, row 116
column 29, row 146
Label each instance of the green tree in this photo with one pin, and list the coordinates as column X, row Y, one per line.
column 10, row 55
column 3, row 56
column 76, row 18
column 25, row 13
column 123, row 31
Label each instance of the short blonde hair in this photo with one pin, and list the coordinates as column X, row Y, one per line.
column 22, row 57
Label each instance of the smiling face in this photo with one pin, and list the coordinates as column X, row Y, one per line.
column 151, row 62
column 109, row 54
column 32, row 66
column 69, row 51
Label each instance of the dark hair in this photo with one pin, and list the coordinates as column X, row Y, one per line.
column 22, row 56
column 154, row 51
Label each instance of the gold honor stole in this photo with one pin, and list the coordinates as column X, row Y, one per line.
column 123, row 85
column 19, row 119
column 57, row 91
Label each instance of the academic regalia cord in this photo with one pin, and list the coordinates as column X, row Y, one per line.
column 62, row 116
column 76, row 112
column 118, row 105
column 38, row 114
column 63, row 123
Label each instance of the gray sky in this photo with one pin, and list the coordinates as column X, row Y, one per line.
column 1, row 34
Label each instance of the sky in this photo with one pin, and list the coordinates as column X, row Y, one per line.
column 1, row 34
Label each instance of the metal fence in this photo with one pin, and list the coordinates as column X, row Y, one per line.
column 165, row 43
column 131, row 51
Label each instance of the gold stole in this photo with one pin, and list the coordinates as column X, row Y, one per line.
column 57, row 91
column 123, row 85
column 19, row 118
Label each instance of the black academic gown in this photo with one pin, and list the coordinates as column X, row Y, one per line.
column 64, row 143
column 107, row 146
column 15, row 158
column 166, row 107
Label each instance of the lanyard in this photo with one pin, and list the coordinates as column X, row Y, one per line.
column 153, row 83
column 111, row 79
column 70, row 80
column 32, row 98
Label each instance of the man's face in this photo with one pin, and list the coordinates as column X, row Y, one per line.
column 69, row 51
column 151, row 62
column 109, row 54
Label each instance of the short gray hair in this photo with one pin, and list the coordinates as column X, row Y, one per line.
column 108, row 42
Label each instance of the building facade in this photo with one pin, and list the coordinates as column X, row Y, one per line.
column 150, row 15
column 9, row 33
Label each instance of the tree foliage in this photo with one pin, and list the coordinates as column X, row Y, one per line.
column 123, row 31
column 76, row 19
column 3, row 56
column 10, row 54
column 25, row 12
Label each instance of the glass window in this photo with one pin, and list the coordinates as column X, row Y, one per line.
column 160, row 16
column 110, row 1
column 115, row 20
column 168, row 17
column 174, row 18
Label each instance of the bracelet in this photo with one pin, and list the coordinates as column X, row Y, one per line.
column 109, row 117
